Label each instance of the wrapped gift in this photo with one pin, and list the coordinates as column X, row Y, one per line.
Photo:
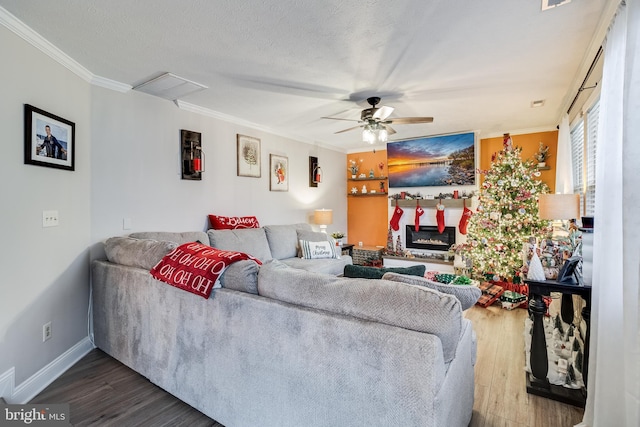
column 445, row 278
column 511, row 296
column 490, row 293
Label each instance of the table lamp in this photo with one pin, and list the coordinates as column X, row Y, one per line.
column 323, row 217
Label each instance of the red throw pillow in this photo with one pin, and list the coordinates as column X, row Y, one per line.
column 233, row 222
column 195, row 267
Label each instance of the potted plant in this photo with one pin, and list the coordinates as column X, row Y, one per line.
column 338, row 235
column 354, row 168
column 542, row 155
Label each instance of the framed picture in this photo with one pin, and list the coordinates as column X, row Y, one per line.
column 248, row 156
column 278, row 173
column 313, row 169
column 432, row 161
column 49, row 140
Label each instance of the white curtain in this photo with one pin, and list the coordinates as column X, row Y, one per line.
column 613, row 397
column 564, row 176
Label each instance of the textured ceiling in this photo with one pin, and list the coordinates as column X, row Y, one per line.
column 472, row 65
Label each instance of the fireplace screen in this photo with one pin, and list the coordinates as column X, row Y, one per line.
column 428, row 237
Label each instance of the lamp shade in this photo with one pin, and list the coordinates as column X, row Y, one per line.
column 559, row 206
column 323, row 216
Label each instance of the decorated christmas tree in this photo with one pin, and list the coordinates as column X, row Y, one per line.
column 507, row 215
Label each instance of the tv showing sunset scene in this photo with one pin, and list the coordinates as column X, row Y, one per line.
column 432, row 161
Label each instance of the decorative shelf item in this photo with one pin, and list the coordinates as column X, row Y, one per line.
column 544, row 168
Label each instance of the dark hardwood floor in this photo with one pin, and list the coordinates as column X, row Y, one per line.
column 103, row 392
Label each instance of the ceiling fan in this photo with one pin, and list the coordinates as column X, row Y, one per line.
column 375, row 122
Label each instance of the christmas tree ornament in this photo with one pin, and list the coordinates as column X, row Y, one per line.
column 440, row 216
column 395, row 219
column 419, row 213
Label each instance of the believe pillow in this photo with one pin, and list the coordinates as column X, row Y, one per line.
column 318, row 250
column 233, row 222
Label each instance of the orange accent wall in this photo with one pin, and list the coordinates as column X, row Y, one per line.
column 530, row 143
column 367, row 216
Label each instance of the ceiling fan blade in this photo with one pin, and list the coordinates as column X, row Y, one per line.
column 389, row 129
column 346, row 130
column 339, row 118
column 410, row 120
column 383, row 112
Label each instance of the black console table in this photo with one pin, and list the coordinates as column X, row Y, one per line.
column 537, row 382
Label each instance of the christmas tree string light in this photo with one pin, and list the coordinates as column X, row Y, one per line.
column 507, row 215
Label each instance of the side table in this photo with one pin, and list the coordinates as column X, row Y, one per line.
column 537, row 382
column 347, row 249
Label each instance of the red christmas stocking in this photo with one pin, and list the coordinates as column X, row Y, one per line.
column 419, row 213
column 440, row 217
column 466, row 214
column 395, row 220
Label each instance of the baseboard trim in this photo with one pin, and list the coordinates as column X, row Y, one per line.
column 45, row 376
column 6, row 384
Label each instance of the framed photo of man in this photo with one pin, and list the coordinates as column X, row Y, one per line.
column 49, row 140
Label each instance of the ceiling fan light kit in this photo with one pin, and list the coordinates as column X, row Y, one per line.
column 375, row 122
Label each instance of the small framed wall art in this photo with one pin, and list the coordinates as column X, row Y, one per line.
column 49, row 140
column 278, row 173
column 248, row 156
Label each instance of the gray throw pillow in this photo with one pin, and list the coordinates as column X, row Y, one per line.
column 241, row 276
column 140, row 253
column 467, row 295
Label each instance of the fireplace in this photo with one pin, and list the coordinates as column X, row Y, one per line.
column 428, row 237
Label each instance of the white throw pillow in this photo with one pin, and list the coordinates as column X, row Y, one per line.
column 318, row 250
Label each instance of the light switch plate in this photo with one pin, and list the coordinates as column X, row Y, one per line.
column 50, row 219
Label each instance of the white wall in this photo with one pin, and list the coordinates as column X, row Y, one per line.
column 127, row 166
column 44, row 270
column 136, row 171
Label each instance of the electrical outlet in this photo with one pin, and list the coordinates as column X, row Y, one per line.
column 50, row 218
column 46, row 331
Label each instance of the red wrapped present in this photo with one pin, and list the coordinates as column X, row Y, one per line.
column 490, row 293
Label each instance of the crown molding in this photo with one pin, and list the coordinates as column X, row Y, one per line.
column 25, row 32
column 110, row 84
column 186, row 106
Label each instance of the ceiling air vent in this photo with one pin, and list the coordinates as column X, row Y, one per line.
column 550, row 4
column 169, row 86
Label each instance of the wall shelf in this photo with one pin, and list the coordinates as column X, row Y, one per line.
column 431, row 203
column 377, row 178
column 367, row 194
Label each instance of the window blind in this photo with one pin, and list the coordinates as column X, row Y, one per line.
column 592, row 140
column 577, row 160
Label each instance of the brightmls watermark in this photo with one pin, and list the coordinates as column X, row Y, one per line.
column 35, row 415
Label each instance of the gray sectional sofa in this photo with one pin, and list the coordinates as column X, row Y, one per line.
column 282, row 344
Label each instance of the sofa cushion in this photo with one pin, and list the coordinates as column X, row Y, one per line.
column 241, row 276
column 140, row 253
column 252, row 241
column 467, row 294
column 318, row 250
column 170, row 236
column 366, row 272
column 397, row 304
column 283, row 239
column 332, row 266
column 233, row 222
